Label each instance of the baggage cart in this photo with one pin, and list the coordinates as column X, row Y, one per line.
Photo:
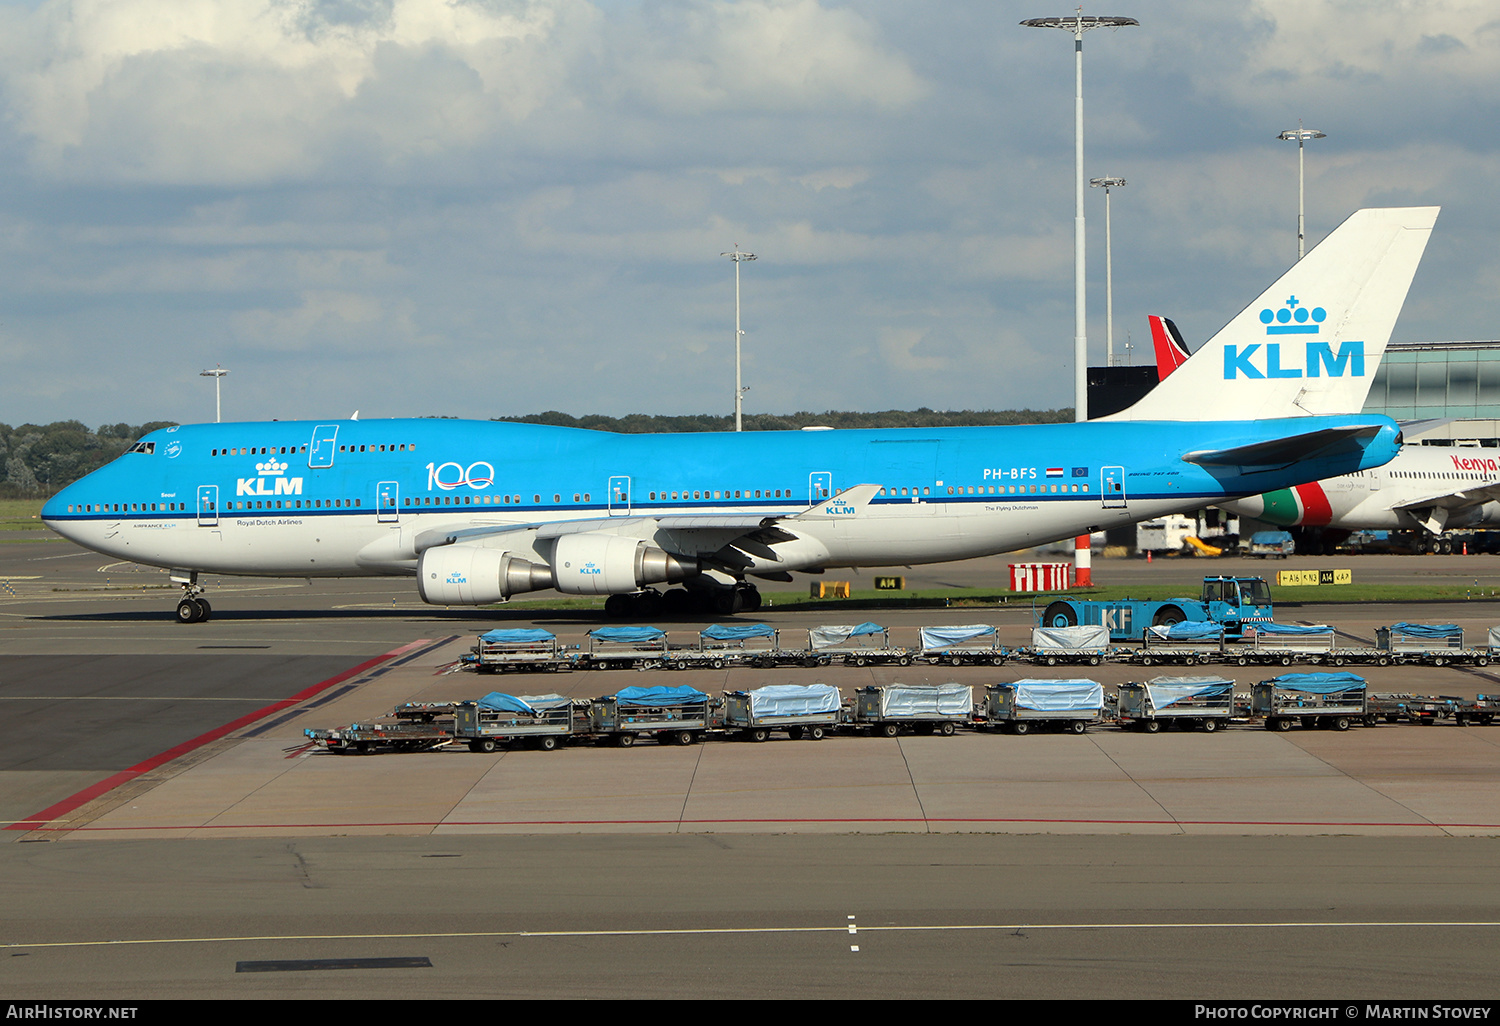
column 856, row 645
column 619, row 648
column 971, row 644
column 670, row 715
column 505, row 649
column 546, row 721
column 1329, row 700
column 1393, row 707
column 1026, row 705
column 1482, row 709
column 1206, row 703
column 1086, row 643
column 802, row 710
column 394, row 734
column 1287, row 643
column 1435, row 644
column 753, row 644
column 886, row 709
column 1190, row 641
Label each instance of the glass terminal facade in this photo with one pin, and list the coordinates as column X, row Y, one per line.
column 1420, row 380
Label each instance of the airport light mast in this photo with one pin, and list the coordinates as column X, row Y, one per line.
column 1301, row 135
column 218, row 375
column 1109, row 270
column 739, row 391
column 1078, row 24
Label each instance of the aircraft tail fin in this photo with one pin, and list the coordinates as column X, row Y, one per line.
column 1311, row 343
column 1171, row 351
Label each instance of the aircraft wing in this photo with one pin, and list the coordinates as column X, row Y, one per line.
column 733, row 541
column 1462, row 498
column 1434, row 511
column 1282, row 451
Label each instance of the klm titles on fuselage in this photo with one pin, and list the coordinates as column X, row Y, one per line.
column 270, row 469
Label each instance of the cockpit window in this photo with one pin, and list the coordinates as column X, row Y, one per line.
column 149, row 448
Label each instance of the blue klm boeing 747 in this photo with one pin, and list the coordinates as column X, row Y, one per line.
column 480, row 511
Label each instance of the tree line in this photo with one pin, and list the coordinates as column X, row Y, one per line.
column 36, row 460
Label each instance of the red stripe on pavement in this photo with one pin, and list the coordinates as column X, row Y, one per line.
column 108, row 784
column 391, row 824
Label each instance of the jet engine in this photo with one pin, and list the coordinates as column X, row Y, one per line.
column 582, row 564
column 608, row 564
column 468, row 575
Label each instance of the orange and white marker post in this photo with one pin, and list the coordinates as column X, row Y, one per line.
column 1083, row 562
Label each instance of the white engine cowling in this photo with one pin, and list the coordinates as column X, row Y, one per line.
column 608, row 564
column 468, row 575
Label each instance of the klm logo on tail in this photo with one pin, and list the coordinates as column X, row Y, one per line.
column 1265, row 360
column 1251, row 362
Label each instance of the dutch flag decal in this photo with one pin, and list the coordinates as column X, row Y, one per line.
column 1054, row 472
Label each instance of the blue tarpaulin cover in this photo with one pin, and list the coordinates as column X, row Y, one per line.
column 794, row 700
column 1317, row 683
column 519, row 634
column 834, row 634
column 943, row 637
column 1189, row 630
column 499, row 702
column 1167, row 690
column 1428, row 630
column 627, row 634
column 659, row 696
column 1293, row 628
column 737, row 632
column 1079, row 695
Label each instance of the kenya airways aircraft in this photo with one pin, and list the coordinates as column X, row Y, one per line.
column 1428, row 489
column 480, row 511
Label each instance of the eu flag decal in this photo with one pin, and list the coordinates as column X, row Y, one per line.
column 1080, row 471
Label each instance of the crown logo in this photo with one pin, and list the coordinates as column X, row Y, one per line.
column 1293, row 318
column 271, row 468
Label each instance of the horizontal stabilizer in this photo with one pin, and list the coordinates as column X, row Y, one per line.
column 1281, row 451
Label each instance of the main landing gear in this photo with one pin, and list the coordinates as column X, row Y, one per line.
column 193, row 608
column 647, row 604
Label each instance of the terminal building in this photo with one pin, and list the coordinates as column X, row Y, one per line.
column 1440, row 380
column 1416, row 381
column 1454, row 387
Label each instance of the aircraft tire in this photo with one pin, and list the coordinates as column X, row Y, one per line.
column 1060, row 614
column 190, row 611
column 1168, row 616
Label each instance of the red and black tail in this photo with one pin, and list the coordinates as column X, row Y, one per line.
column 1171, row 351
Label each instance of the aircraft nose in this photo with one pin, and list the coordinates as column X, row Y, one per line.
column 58, row 511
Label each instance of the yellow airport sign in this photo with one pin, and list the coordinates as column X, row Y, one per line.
column 1305, row 578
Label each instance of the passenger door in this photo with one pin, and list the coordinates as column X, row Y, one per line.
column 208, row 505
column 619, row 496
column 388, row 502
column 1112, row 487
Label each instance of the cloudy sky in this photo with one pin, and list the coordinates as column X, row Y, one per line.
column 486, row 207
